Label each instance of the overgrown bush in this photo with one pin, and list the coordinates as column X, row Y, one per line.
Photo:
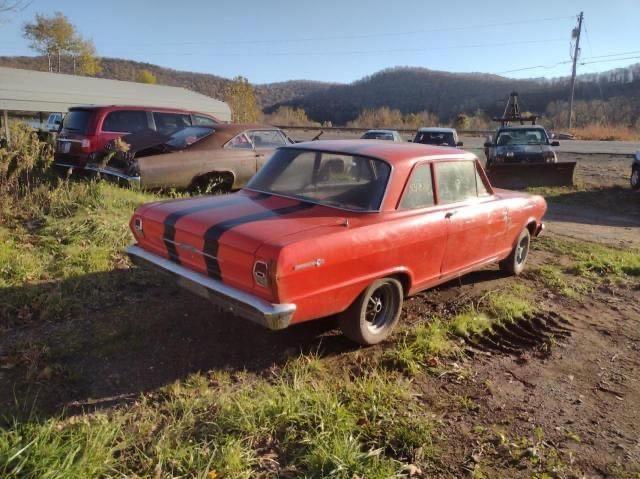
column 387, row 118
column 287, row 116
column 26, row 163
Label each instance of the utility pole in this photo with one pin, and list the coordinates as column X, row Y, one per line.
column 576, row 53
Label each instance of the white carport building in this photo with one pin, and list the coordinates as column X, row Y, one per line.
column 43, row 92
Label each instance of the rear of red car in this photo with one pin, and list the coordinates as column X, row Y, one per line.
column 77, row 138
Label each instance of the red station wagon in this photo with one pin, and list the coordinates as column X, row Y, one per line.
column 339, row 227
column 86, row 130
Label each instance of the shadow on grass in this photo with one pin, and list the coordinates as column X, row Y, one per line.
column 615, row 206
column 143, row 336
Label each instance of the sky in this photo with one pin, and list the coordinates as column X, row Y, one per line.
column 345, row 40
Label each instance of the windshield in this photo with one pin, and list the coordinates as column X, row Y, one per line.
column 331, row 179
column 77, row 120
column 377, row 135
column 435, row 138
column 522, row 136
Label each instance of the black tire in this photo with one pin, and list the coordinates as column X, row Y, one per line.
column 514, row 263
column 212, row 184
column 373, row 315
column 635, row 179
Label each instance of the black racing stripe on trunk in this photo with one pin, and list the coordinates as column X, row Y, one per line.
column 213, row 234
column 169, row 234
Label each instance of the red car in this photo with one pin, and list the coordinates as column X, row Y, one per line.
column 86, row 130
column 339, row 227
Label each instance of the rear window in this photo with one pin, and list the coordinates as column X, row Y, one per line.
column 168, row 123
column 199, row 120
column 458, row 181
column 126, row 121
column 77, row 120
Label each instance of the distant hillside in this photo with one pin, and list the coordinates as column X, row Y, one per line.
column 412, row 90
column 409, row 90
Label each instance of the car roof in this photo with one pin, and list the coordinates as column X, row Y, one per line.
column 381, row 131
column 135, row 107
column 436, row 129
column 394, row 153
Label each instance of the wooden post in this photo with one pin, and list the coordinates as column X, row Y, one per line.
column 5, row 120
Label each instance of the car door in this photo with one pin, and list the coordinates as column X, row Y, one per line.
column 423, row 238
column 118, row 123
column 238, row 156
column 265, row 142
column 470, row 217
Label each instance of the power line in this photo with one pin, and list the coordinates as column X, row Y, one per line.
column 356, row 36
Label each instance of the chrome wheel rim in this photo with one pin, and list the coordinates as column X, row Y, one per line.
column 380, row 308
column 522, row 250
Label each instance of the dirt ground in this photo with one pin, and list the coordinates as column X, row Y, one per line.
column 573, row 373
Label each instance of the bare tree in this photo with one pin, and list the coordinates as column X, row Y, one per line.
column 13, row 6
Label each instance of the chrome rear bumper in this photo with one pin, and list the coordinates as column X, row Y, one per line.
column 109, row 172
column 245, row 305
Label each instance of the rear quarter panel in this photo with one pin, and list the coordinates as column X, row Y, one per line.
column 180, row 168
column 324, row 274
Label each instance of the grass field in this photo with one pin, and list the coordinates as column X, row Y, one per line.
column 357, row 414
column 111, row 371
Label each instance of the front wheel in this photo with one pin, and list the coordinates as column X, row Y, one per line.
column 374, row 314
column 514, row 263
column 635, row 179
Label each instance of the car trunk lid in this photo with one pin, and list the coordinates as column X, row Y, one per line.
column 219, row 236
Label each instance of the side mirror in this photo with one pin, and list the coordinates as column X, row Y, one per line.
column 488, row 144
column 459, row 144
column 555, row 143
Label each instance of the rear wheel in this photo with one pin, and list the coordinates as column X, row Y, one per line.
column 514, row 263
column 372, row 317
column 212, row 184
column 635, row 179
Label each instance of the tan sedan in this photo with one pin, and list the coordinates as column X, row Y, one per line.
column 208, row 159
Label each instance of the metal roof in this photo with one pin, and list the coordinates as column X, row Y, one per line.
column 35, row 91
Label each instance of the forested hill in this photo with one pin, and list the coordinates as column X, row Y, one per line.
column 446, row 94
column 406, row 89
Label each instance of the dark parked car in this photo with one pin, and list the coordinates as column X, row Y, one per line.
column 520, row 144
column 437, row 136
column 207, row 158
column 85, row 131
column 388, row 135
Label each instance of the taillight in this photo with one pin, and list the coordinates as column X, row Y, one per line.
column 137, row 225
column 261, row 273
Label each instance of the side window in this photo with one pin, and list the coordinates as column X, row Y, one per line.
column 167, row 123
column 240, row 141
column 126, row 121
column 267, row 138
column 419, row 191
column 456, row 181
column 199, row 120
